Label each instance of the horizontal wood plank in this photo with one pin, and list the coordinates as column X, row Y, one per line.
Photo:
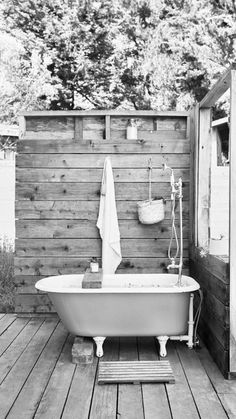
column 88, row 229
column 88, row 247
column 92, row 146
column 112, row 112
column 218, row 309
column 216, row 286
column 65, row 160
column 95, row 175
column 68, row 145
column 218, row 353
column 84, row 210
column 98, row 135
column 214, row 264
column 218, row 329
column 33, row 303
column 55, row 123
column 144, row 123
column 30, row 270
column 82, row 191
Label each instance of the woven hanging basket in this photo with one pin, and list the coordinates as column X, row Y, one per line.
column 151, row 212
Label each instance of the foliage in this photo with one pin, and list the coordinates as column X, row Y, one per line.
column 140, row 54
column 7, row 143
column 6, row 277
column 23, row 80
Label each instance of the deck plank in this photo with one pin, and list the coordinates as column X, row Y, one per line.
column 228, row 400
column 180, row 397
column 130, row 405
column 6, row 321
column 155, row 399
column 11, row 333
column 38, row 379
column 209, row 407
column 9, row 358
column 30, row 395
column 14, row 381
column 2, row 315
column 55, row 395
column 81, row 392
column 220, row 384
column 105, row 397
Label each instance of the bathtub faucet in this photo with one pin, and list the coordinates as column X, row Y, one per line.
column 179, row 267
column 173, row 265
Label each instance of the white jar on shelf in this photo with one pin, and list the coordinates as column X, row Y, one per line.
column 132, row 130
column 94, row 266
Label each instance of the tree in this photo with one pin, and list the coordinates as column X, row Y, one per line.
column 139, row 54
column 22, row 80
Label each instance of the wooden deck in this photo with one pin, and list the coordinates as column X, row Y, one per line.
column 38, row 380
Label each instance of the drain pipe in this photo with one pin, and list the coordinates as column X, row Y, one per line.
column 181, row 230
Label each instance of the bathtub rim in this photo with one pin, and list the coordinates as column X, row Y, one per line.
column 42, row 285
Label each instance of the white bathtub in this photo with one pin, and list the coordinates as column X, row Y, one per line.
column 126, row 305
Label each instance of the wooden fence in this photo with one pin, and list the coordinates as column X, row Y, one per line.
column 59, row 170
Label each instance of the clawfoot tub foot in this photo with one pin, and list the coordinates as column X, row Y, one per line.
column 99, row 343
column 162, row 342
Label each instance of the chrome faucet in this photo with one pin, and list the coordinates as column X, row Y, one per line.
column 173, row 265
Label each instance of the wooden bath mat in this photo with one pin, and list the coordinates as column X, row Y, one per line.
column 135, row 372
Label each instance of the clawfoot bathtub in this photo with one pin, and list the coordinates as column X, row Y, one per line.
column 126, row 305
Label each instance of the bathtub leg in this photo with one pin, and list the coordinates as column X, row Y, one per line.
column 162, row 341
column 99, row 342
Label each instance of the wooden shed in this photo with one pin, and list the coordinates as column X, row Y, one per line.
column 59, row 169
column 213, row 242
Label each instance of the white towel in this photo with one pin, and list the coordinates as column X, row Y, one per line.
column 108, row 223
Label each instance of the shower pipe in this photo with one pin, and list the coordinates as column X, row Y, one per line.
column 176, row 190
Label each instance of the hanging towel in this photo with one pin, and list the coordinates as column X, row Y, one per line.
column 108, row 223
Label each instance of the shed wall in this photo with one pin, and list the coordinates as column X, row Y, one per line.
column 59, row 169
column 212, row 273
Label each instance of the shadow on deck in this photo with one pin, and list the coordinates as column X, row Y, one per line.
column 38, row 380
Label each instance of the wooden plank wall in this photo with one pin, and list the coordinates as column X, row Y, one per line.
column 59, row 169
column 212, row 273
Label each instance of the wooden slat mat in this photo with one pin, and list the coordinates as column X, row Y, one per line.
column 135, row 372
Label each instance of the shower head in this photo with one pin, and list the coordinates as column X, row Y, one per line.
column 165, row 167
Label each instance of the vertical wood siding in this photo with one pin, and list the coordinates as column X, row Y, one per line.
column 59, row 169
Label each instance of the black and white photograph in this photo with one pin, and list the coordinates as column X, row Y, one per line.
column 118, row 209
